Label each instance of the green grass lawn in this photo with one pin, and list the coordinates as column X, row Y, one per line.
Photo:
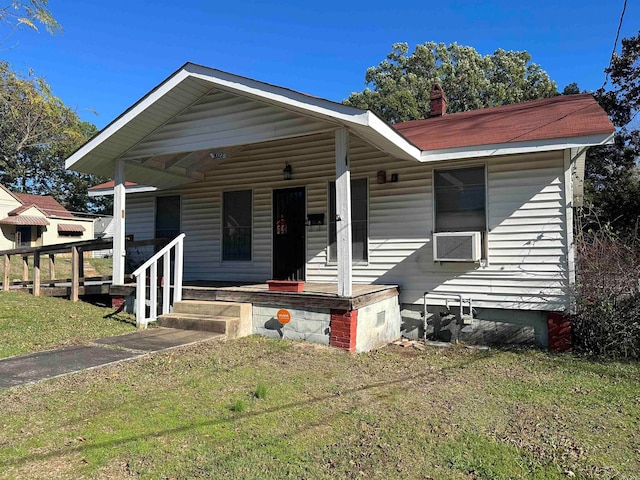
column 263, row 408
column 29, row 324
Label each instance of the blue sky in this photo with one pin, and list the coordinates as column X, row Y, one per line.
column 112, row 53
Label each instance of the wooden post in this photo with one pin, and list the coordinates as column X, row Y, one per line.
column 343, row 212
column 25, row 267
column 36, row 274
column 119, row 248
column 81, row 266
column 74, row 274
column 7, row 272
column 52, row 266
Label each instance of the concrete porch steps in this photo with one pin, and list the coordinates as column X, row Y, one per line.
column 232, row 319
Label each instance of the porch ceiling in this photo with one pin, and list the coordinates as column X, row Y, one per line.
column 176, row 133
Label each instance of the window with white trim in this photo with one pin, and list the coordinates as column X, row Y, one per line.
column 236, row 225
column 359, row 220
column 460, row 200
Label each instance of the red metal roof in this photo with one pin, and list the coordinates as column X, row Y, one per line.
column 69, row 228
column 563, row 116
column 24, row 220
column 46, row 203
column 22, row 208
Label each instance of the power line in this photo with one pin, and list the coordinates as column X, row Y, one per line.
column 615, row 44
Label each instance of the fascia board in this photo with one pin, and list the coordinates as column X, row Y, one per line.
column 532, row 146
column 316, row 107
column 340, row 115
column 125, row 118
column 284, row 97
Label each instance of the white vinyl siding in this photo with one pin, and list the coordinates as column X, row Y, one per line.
column 220, row 118
column 526, row 265
column 359, row 214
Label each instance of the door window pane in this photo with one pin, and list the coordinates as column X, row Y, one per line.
column 236, row 225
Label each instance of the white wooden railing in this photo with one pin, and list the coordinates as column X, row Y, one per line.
column 149, row 270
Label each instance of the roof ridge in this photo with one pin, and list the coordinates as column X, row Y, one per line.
column 508, row 106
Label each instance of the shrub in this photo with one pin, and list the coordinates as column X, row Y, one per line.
column 606, row 321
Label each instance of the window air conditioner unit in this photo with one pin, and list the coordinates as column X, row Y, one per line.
column 457, row 246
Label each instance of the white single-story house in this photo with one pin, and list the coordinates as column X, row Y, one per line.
column 469, row 211
column 37, row 220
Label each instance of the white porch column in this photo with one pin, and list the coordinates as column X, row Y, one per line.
column 343, row 212
column 119, row 249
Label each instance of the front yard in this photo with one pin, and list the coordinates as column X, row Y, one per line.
column 263, row 408
column 29, row 324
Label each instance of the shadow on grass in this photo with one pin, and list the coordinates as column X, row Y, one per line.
column 431, row 375
column 122, row 318
column 116, row 315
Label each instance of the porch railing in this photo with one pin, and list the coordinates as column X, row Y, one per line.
column 147, row 274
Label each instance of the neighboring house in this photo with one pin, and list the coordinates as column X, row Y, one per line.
column 477, row 204
column 37, row 220
column 103, row 229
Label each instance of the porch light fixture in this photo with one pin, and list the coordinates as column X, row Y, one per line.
column 287, row 172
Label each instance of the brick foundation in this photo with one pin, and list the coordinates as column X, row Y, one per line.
column 343, row 329
column 559, row 332
column 117, row 303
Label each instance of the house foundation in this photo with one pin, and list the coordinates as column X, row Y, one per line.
column 368, row 319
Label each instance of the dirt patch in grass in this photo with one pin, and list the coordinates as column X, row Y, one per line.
column 328, row 414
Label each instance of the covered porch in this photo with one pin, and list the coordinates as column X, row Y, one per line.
column 222, row 137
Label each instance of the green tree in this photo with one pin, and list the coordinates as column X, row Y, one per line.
column 398, row 88
column 37, row 132
column 28, row 14
column 571, row 89
column 612, row 174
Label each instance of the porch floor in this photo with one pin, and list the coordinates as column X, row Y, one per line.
column 314, row 295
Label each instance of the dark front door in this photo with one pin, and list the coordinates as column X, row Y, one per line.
column 289, row 233
column 23, row 236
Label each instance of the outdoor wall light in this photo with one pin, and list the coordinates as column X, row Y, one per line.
column 287, row 171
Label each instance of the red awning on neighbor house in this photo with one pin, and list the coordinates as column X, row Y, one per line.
column 69, row 228
column 25, row 220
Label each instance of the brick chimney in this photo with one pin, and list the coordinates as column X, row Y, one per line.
column 438, row 105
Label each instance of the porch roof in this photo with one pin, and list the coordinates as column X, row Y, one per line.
column 171, row 135
column 24, row 220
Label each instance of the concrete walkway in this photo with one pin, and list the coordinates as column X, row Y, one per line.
column 39, row 366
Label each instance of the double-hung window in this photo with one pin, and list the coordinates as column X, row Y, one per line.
column 236, row 225
column 359, row 220
column 460, row 200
